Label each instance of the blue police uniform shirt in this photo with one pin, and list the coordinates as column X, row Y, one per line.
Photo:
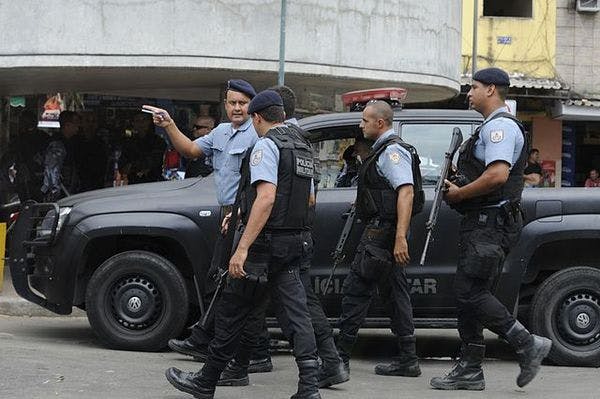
column 264, row 162
column 227, row 147
column 395, row 163
column 499, row 140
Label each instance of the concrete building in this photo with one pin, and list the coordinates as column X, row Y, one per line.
column 187, row 49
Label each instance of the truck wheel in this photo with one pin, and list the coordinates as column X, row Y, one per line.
column 566, row 309
column 137, row 300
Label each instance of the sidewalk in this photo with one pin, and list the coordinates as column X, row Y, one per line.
column 11, row 304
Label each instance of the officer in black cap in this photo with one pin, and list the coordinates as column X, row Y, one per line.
column 487, row 192
column 225, row 145
column 255, row 339
column 275, row 195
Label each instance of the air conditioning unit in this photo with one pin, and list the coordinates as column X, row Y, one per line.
column 588, row 5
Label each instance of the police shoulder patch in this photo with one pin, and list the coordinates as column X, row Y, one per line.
column 256, row 157
column 394, row 157
column 496, row 136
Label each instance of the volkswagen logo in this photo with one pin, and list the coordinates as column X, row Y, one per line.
column 583, row 320
column 134, row 303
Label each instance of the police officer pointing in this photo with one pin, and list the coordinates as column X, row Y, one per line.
column 255, row 338
column 274, row 195
column 488, row 194
column 384, row 201
column 226, row 145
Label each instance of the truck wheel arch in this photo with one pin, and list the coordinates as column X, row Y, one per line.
column 178, row 238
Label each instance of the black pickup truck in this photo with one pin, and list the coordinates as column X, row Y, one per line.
column 133, row 257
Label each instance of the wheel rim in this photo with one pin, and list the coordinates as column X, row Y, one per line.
column 578, row 320
column 135, row 302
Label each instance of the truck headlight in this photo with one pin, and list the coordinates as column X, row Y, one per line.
column 45, row 228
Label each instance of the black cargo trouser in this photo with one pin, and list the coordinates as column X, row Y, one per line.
column 485, row 239
column 374, row 268
column 276, row 256
column 255, row 341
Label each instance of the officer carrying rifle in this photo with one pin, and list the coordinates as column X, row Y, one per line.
column 487, row 192
column 388, row 187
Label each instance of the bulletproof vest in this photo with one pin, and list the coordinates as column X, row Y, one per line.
column 294, row 174
column 303, row 136
column 375, row 196
column 472, row 168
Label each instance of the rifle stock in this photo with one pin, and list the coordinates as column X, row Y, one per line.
column 455, row 143
column 338, row 254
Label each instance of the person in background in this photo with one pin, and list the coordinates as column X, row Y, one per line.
column 61, row 177
column 593, row 180
column 201, row 166
column 92, row 154
column 23, row 164
column 532, row 175
column 349, row 173
column 142, row 156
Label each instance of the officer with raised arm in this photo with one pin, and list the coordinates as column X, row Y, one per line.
column 274, row 193
column 226, row 145
column 487, row 191
column 255, row 339
column 384, row 202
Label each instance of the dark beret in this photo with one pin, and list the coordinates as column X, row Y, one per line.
column 490, row 76
column 264, row 99
column 241, row 86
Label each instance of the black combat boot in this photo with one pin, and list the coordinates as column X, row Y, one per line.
column 234, row 375
column 406, row 364
column 332, row 371
column 263, row 365
column 344, row 344
column 200, row 384
column 190, row 347
column 307, row 380
column 531, row 350
column 466, row 374
column 333, row 374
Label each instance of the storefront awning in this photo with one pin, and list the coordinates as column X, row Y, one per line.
column 576, row 110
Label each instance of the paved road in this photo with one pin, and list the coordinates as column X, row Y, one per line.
column 60, row 358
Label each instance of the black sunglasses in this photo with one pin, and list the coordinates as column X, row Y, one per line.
column 196, row 127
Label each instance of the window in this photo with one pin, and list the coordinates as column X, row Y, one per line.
column 508, row 8
column 432, row 142
column 330, row 144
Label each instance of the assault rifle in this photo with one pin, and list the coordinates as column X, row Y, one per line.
column 220, row 286
column 455, row 143
column 338, row 255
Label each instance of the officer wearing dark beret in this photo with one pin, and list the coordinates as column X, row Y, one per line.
column 255, row 338
column 274, row 198
column 225, row 146
column 495, row 76
column 487, row 192
column 241, row 86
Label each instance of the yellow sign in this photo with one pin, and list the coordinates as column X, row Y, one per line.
column 2, row 247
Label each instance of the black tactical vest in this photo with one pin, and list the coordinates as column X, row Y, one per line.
column 294, row 174
column 471, row 168
column 302, row 135
column 375, row 196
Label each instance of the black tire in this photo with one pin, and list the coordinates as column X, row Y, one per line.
column 566, row 309
column 137, row 300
